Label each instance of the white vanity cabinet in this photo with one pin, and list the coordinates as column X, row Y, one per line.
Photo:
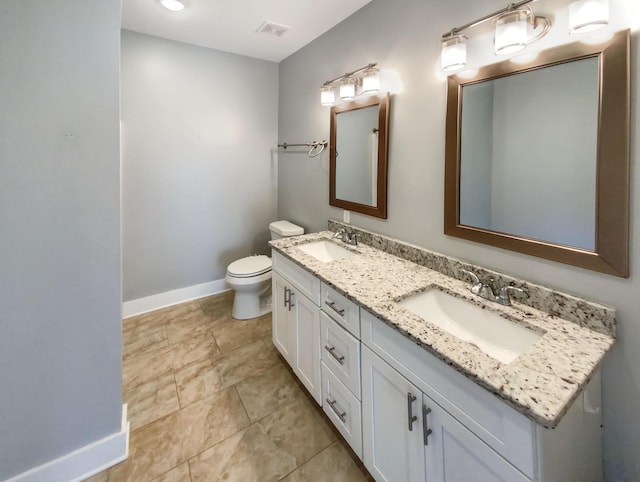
column 407, row 414
column 296, row 321
column 407, row 436
column 473, row 435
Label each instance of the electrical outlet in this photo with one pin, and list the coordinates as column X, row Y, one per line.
column 346, row 216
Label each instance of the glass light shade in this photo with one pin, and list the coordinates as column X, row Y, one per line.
column 173, row 5
column 327, row 95
column 588, row 15
column 370, row 81
column 347, row 89
column 454, row 53
column 511, row 32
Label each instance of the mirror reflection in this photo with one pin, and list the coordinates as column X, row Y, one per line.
column 358, row 156
column 528, row 154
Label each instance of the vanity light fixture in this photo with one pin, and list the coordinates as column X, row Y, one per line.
column 367, row 77
column 348, row 88
column 370, row 81
column 516, row 26
column 454, row 53
column 327, row 95
column 173, row 5
column 588, row 15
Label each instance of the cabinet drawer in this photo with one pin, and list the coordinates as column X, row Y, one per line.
column 344, row 311
column 505, row 430
column 340, row 353
column 304, row 282
column 343, row 409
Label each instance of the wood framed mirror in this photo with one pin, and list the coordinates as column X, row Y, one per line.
column 537, row 156
column 358, row 156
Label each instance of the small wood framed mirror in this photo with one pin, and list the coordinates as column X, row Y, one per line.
column 358, row 156
column 537, row 155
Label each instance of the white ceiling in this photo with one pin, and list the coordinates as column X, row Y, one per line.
column 231, row 25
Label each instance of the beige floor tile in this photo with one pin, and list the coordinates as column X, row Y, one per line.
column 145, row 367
column 236, row 333
column 298, row 429
column 249, row 456
column 269, row 391
column 334, row 464
column 218, row 306
column 178, row 474
column 203, row 378
column 152, row 400
column 189, row 325
column 162, row 445
column 137, row 342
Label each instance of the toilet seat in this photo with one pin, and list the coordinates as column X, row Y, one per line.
column 249, row 267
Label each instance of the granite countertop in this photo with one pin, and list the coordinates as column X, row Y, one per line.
column 541, row 383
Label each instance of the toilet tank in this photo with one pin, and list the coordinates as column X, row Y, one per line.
column 284, row 229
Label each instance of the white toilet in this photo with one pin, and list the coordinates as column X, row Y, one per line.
column 250, row 277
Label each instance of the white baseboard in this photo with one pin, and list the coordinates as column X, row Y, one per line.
column 169, row 298
column 83, row 462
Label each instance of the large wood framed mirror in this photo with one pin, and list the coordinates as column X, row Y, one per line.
column 358, row 156
column 537, row 156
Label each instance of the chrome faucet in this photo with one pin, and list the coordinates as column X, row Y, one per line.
column 487, row 291
column 351, row 239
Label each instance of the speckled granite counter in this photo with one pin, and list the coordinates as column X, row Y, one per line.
column 541, row 383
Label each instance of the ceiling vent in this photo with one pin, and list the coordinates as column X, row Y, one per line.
column 272, row 28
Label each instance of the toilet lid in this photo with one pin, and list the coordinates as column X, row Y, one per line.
column 250, row 266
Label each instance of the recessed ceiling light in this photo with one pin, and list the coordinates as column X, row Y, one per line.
column 173, row 5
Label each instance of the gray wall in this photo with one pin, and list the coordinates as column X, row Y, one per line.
column 198, row 177
column 59, row 229
column 403, row 35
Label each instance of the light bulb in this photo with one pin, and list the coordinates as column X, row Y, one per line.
column 588, row 15
column 454, row 53
column 370, row 81
column 347, row 89
column 511, row 32
column 327, row 95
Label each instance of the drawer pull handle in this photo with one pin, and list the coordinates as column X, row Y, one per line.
column 291, row 303
column 410, row 416
column 287, row 295
column 426, row 431
column 332, row 352
column 341, row 415
column 332, row 305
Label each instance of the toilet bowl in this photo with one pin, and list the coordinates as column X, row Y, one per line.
column 250, row 277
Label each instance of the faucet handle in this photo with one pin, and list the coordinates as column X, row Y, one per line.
column 472, row 275
column 503, row 296
column 475, row 280
column 353, row 239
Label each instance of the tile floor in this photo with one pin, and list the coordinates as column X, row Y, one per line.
column 209, row 398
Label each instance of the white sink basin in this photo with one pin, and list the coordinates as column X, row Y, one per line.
column 498, row 337
column 326, row 251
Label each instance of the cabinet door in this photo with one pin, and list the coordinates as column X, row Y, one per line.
column 455, row 454
column 307, row 340
column 391, row 451
column 283, row 326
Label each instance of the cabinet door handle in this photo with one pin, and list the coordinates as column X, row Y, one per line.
column 332, row 305
column 332, row 352
column 341, row 415
column 291, row 295
column 410, row 416
column 287, row 291
column 426, row 431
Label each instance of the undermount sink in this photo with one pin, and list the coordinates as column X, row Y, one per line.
column 496, row 336
column 326, row 251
